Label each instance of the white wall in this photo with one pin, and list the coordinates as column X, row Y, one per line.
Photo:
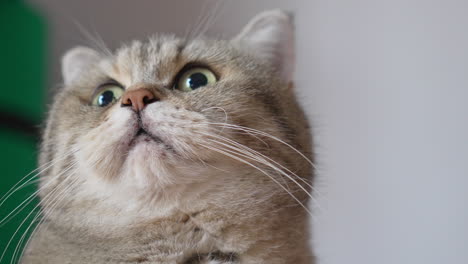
column 385, row 84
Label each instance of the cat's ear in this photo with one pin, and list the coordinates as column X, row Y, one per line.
column 76, row 61
column 270, row 35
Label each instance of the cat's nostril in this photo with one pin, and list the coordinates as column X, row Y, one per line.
column 148, row 100
column 138, row 99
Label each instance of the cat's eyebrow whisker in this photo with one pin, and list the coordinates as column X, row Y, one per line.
column 226, row 153
column 35, row 173
column 33, row 210
column 192, row 32
column 93, row 38
column 206, row 19
column 256, row 156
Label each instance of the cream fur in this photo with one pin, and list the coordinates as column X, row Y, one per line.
column 189, row 197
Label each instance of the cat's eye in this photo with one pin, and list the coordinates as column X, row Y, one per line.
column 107, row 94
column 195, row 78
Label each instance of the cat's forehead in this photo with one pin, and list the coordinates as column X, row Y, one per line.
column 160, row 57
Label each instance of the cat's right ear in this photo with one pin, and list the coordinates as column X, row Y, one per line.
column 76, row 61
column 270, row 36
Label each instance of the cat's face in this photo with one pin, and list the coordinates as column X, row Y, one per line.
column 162, row 121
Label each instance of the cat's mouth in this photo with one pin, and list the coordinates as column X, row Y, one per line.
column 142, row 133
column 142, row 136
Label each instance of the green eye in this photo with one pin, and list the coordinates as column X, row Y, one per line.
column 108, row 94
column 195, row 78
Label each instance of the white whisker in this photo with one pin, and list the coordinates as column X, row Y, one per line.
column 262, row 171
column 205, row 19
column 253, row 155
column 94, row 39
column 41, row 169
column 52, row 205
column 32, row 211
column 262, row 133
column 30, row 198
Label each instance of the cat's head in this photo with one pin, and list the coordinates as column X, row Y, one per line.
column 167, row 120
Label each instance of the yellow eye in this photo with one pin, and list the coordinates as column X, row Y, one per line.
column 195, row 78
column 108, row 94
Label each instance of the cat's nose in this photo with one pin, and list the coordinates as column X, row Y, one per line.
column 138, row 99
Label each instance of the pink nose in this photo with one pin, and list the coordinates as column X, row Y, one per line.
column 138, row 99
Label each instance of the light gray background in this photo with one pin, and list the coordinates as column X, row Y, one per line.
column 385, row 84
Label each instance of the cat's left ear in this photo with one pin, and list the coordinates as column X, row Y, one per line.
column 270, row 35
column 76, row 61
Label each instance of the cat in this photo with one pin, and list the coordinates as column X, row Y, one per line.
column 178, row 150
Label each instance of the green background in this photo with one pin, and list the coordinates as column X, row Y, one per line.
column 22, row 72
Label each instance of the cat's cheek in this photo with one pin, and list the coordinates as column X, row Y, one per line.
column 102, row 150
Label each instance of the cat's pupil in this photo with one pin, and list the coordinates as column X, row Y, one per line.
column 197, row 80
column 106, row 98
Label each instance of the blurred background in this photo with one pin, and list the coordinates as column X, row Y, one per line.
column 384, row 83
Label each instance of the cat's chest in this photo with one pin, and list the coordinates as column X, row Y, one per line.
column 180, row 240
column 192, row 247
column 184, row 239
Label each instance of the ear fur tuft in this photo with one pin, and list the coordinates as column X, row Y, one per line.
column 76, row 61
column 270, row 36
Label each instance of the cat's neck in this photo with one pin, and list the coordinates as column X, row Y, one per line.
column 248, row 232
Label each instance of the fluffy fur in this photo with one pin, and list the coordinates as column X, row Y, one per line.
column 224, row 182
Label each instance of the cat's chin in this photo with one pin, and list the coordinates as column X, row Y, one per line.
column 149, row 160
